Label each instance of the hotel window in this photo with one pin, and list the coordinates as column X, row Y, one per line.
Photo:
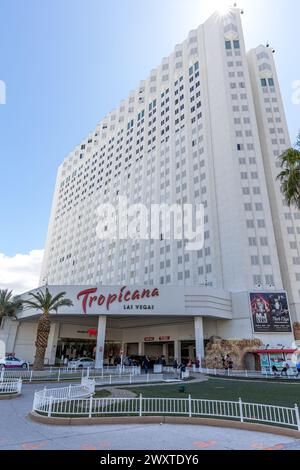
column 263, row 82
column 252, row 241
column 269, row 279
column 236, row 44
column 228, row 45
column 271, row 82
column 257, row 280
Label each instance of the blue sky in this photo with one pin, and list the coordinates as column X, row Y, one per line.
column 68, row 62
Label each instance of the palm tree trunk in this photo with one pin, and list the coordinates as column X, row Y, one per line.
column 41, row 343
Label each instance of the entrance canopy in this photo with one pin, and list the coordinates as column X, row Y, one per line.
column 141, row 301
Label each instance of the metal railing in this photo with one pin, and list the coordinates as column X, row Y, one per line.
column 104, row 379
column 50, row 405
column 59, row 374
column 263, row 374
column 10, row 387
column 63, row 395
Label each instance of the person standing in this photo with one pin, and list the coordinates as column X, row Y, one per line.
column 146, row 364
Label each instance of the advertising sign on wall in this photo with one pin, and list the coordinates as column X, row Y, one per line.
column 270, row 313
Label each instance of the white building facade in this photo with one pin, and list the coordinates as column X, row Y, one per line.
column 205, row 127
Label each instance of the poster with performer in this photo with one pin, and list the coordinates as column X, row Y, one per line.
column 270, row 313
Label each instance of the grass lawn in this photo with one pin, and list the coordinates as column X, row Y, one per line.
column 223, row 389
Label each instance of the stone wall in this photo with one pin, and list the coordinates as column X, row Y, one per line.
column 236, row 349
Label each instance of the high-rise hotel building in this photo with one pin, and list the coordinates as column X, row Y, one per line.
column 206, row 126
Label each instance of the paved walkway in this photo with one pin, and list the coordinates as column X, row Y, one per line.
column 17, row 431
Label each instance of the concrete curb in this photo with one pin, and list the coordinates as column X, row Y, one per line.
column 165, row 420
column 9, row 396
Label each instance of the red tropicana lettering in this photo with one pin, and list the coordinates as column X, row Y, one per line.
column 85, row 294
column 89, row 299
column 136, row 295
column 121, row 294
column 146, row 293
column 110, row 299
column 127, row 296
column 92, row 299
column 101, row 300
column 155, row 293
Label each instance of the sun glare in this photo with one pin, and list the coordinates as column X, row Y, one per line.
column 222, row 6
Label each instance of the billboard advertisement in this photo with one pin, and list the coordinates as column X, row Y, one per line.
column 270, row 313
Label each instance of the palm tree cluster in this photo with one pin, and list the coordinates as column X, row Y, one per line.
column 289, row 177
column 8, row 305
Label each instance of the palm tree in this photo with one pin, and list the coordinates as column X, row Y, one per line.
column 8, row 304
column 47, row 303
column 290, row 175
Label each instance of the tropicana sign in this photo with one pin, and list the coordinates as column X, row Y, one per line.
column 90, row 297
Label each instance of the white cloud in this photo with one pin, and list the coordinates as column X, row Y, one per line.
column 20, row 273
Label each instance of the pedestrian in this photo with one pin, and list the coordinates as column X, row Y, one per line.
column 230, row 362
column 182, row 368
column 298, row 368
column 146, row 364
column 284, row 371
column 274, row 370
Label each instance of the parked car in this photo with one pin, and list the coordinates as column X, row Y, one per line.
column 82, row 363
column 136, row 360
column 12, row 362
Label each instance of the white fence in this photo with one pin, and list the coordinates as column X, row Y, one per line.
column 10, row 387
column 56, row 375
column 263, row 374
column 124, row 379
column 50, row 405
column 63, row 395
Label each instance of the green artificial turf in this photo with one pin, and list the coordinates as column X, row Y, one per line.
column 281, row 394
